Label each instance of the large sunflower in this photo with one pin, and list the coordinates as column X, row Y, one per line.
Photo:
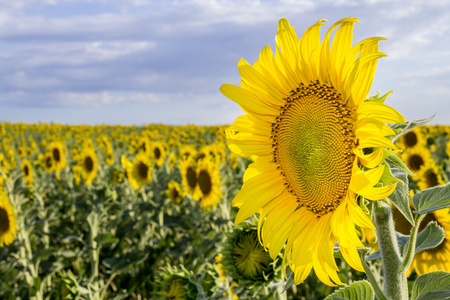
column 8, row 225
column 317, row 145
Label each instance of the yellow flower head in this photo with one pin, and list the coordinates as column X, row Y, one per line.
column 142, row 171
column 174, row 192
column 8, row 225
column 58, row 151
column 27, row 171
column 310, row 132
column 89, row 163
column 208, row 186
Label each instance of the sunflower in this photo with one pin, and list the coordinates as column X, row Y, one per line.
column 317, row 145
column 144, row 145
column 27, row 171
column 142, row 170
column 417, row 159
column 189, row 178
column 430, row 177
column 208, row 186
column 8, row 225
column 58, row 151
column 411, row 139
column 48, row 162
column 89, row 163
column 159, row 153
column 187, row 151
column 174, row 192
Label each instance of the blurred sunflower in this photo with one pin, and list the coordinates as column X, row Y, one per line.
column 187, row 151
column 208, row 186
column 48, row 162
column 8, row 225
column 430, row 177
column 144, row 145
column 174, row 192
column 411, row 139
column 89, row 163
column 309, row 130
column 58, row 151
column 142, row 170
column 27, row 171
column 188, row 170
column 159, row 153
column 417, row 159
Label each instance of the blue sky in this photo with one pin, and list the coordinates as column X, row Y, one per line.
column 141, row 62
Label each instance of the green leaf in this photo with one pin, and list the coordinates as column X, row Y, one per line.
column 400, row 196
column 396, row 162
column 359, row 290
column 431, row 286
column 432, row 199
column 428, row 238
column 105, row 238
column 403, row 128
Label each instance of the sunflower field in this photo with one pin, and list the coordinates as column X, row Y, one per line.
column 117, row 212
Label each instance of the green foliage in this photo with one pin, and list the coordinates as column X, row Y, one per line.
column 360, row 290
column 432, row 286
column 431, row 236
column 432, row 199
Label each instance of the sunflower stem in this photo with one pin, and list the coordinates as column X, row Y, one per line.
column 411, row 246
column 396, row 285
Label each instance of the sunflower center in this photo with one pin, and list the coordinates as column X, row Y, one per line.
column 26, row 171
column 48, row 162
column 431, row 178
column 415, row 162
column 4, row 220
column 142, row 169
column 312, row 142
column 410, row 139
column 157, row 153
column 204, row 182
column 89, row 164
column 56, row 155
column 174, row 193
column 191, row 176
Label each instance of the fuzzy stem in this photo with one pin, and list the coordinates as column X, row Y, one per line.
column 411, row 246
column 396, row 286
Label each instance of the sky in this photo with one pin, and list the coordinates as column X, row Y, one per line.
column 135, row 62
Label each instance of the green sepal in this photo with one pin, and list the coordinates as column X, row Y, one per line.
column 395, row 162
column 359, row 290
column 432, row 199
column 400, row 196
column 431, row 286
column 401, row 129
column 378, row 99
column 428, row 238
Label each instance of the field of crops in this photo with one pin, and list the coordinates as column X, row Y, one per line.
column 117, row 212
